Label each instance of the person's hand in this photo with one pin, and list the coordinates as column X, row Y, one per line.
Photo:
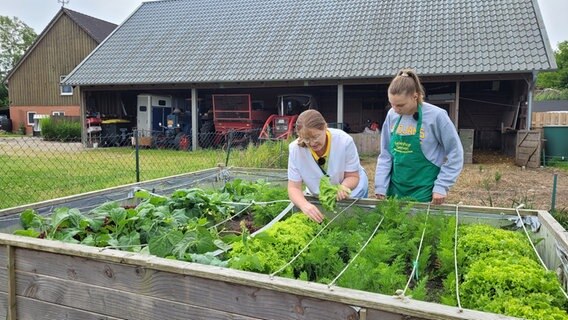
column 438, row 198
column 313, row 212
column 380, row 196
column 343, row 192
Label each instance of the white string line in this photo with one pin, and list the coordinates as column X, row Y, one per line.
column 92, row 206
column 272, row 222
column 50, row 211
column 254, row 202
column 193, row 182
column 184, row 185
column 310, row 242
column 126, row 246
column 231, row 217
column 460, row 309
column 270, row 178
column 138, row 188
column 415, row 264
column 532, row 245
column 276, row 219
column 272, row 175
column 208, row 177
column 248, row 205
column 329, row 285
column 9, row 219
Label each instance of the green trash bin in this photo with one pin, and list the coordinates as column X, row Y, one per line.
column 556, row 142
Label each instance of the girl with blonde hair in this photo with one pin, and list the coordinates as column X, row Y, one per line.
column 320, row 151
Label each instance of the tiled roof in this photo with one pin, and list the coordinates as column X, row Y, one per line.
column 192, row 41
column 96, row 28
column 550, row 105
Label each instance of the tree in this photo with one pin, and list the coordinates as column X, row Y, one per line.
column 4, row 101
column 557, row 79
column 15, row 38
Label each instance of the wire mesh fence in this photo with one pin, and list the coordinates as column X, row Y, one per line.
column 34, row 169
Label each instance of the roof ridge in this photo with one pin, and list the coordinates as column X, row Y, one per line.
column 289, row 40
column 90, row 23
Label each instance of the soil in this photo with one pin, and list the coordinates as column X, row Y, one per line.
column 235, row 224
column 493, row 180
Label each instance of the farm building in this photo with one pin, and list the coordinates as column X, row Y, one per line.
column 34, row 87
column 478, row 60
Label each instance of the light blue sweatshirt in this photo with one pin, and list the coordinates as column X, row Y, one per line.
column 440, row 144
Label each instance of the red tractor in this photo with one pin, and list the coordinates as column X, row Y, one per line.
column 281, row 126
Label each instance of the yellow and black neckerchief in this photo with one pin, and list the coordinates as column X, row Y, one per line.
column 321, row 161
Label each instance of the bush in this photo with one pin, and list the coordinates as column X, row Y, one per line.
column 60, row 129
column 22, row 128
column 551, row 94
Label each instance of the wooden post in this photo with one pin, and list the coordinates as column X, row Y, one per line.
column 363, row 314
column 457, row 105
column 194, row 117
column 340, row 105
column 11, row 283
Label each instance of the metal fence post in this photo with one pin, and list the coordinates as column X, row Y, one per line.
column 281, row 153
column 137, row 146
column 553, row 201
column 229, row 141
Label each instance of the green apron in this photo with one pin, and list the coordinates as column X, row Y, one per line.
column 412, row 175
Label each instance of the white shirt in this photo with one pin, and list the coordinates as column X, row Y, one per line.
column 343, row 157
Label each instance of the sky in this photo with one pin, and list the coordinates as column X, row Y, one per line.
column 38, row 13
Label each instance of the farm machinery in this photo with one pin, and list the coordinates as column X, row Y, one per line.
column 176, row 131
column 161, row 123
column 233, row 119
column 281, row 126
column 236, row 119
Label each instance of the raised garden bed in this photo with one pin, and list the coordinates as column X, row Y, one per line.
column 51, row 279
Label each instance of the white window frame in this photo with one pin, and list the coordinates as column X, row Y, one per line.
column 58, row 113
column 28, row 117
column 64, row 90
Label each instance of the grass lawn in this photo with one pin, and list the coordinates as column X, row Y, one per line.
column 5, row 134
column 27, row 177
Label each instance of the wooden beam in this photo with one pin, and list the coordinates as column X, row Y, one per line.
column 11, row 266
column 35, row 309
column 457, row 105
column 305, row 82
column 194, row 118
column 340, row 101
column 385, row 303
column 102, row 300
column 443, row 208
column 92, row 194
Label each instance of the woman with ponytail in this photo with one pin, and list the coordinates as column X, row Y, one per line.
column 421, row 153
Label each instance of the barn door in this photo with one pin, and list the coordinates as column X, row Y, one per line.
column 528, row 148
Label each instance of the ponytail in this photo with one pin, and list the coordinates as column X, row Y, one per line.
column 406, row 82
